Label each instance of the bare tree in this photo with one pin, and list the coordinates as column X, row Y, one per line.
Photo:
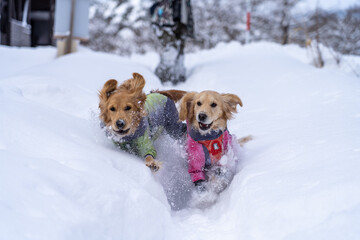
column 275, row 19
column 121, row 27
column 349, row 31
column 218, row 21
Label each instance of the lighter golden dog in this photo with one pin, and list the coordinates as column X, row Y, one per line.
column 208, row 139
column 208, row 111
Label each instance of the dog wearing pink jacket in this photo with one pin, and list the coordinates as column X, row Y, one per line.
column 206, row 114
column 205, row 151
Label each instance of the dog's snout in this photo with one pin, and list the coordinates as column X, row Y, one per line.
column 202, row 116
column 120, row 124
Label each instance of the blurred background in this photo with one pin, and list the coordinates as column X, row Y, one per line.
column 123, row 26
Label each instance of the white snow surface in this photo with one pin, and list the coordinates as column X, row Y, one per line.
column 61, row 178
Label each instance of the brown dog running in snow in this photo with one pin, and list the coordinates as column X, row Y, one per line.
column 206, row 114
column 133, row 120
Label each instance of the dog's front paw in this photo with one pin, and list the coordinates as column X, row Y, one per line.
column 154, row 166
column 152, row 163
column 200, row 186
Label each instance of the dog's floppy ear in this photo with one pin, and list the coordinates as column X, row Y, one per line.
column 186, row 106
column 139, row 82
column 134, row 85
column 108, row 89
column 230, row 103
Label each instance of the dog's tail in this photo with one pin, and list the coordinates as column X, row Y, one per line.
column 244, row 140
column 174, row 95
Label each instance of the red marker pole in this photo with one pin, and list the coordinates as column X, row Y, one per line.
column 248, row 22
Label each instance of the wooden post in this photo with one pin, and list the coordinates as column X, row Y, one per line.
column 10, row 5
column 70, row 37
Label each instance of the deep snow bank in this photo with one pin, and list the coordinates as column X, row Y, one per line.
column 60, row 178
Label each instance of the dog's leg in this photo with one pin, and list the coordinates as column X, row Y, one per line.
column 244, row 140
column 152, row 163
column 173, row 126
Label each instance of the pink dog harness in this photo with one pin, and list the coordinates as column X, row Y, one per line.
column 205, row 151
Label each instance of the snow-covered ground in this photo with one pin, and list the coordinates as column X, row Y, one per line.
column 60, row 178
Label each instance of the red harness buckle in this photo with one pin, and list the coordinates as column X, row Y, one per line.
column 215, row 148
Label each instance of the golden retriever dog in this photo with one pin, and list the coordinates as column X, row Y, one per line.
column 209, row 110
column 206, row 114
column 133, row 120
column 206, row 111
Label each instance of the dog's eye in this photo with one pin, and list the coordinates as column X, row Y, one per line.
column 112, row 109
column 127, row 108
column 213, row 105
column 198, row 103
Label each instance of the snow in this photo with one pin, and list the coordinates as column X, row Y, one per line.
column 61, row 178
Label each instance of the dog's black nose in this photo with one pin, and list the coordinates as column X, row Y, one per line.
column 120, row 124
column 202, row 117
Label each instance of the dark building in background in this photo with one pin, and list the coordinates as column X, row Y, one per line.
column 27, row 22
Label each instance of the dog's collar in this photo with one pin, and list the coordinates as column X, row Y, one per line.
column 197, row 136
